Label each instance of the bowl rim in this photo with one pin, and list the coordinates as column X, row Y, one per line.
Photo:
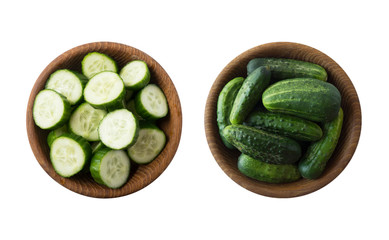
column 217, row 148
column 152, row 170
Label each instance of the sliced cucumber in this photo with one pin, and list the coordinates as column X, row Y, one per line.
column 104, row 90
column 97, row 146
column 131, row 107
column 135, row 75
column 96, row 62
column 110, row 167
column 68, row 83
column 51, row 109
column 118, row 129
column 85, row 121
column 150, row 142
column 54, row 134
column 69, row 154
column 151, row 103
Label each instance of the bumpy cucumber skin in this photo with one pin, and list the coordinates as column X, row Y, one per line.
column 286, row 125
column 85, row 146
column 267, row 172
column 102, row 54
column 282, row 68
column 54, row 134
column 224, row 106
column 65, row 116
column 315, row 159
column 256, row 143
column 249, row 94
column 307, row 98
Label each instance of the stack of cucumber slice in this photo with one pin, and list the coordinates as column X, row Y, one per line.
column 101, row 120
column 281, row 105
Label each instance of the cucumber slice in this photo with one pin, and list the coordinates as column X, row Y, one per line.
column 68, row 83
column 51, row 109
column 118, row 129
column 54, row 134
column 69, row 154
column 131, row 107
column 85, row 121
column 151, row 103
column 110, row 167
column 95, row 62
column 104, row 90
column 135, row 75
column 150, row 142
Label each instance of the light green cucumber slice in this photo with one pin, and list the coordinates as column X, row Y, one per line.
column 85, row 121
column 150, row 142
column 135, row 75
column 69, row 154
column 68, row 83
column 95, row 62
column 54, row 134
column 110, row 167
column 118, row 129
column 104, row 90
column 151, row 103
column 51, row 110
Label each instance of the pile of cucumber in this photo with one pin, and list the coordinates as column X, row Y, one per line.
column 101, row 120
column 284, row 118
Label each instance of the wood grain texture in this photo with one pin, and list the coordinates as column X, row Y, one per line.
column 140, row 176
column 227, row 159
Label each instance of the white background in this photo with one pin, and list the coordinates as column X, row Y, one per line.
column 193, row 41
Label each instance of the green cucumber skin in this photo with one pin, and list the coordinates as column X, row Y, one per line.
column 94, row 167
column 259, row 144
column 266, row 172
column 286, row 125
column 249, row 94
column 54, row 134
column 141, row 110
column 224, row 106
column 282, row 68
column 85, row 147
column 307, row 98
column 315, row 159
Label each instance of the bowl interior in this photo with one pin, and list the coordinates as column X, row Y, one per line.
column 141, row 175
column 227, row 159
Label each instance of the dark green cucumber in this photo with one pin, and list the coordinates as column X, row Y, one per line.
column 307, row 98
column 259, row 144
column 267, row 172
column 286, row 125
column 282, row 68
column 224, row 106
column 314, row 161
column 249, row 94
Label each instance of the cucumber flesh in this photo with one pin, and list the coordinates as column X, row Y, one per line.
column 69, row 154
column 110, row 167
column 150, row 142
column 95, row 62
column 118, row 129
column 135, row 75
column 68, row 83
column 85, row 121
column 51, row 109
column 104, row 90
column 151, row 103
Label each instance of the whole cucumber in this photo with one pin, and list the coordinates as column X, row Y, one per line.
column 249, row 94
column 224, row 106
column 266, row 172
column 286, row 125
column 307, row 98
column 314, row 161
column 282, row 68
column 259, row 144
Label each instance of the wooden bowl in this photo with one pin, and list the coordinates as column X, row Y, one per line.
column 141, row 175
column 227, row 159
